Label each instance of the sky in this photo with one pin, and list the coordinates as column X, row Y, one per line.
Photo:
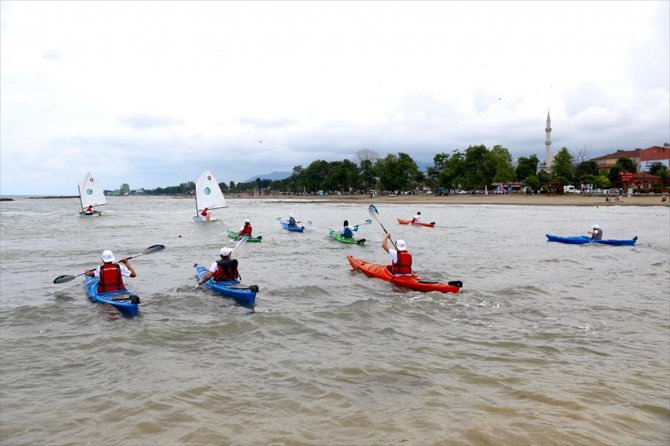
column 152, row 93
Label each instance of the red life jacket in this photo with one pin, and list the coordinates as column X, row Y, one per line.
column 404, row 263
column 204, row 212
column 227, row 270
column 246, row 230
column 110, row 278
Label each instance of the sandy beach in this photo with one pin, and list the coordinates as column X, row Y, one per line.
column 531, row 200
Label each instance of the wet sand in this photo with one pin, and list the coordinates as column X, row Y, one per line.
column 531, row 200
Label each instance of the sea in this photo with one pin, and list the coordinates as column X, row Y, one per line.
column 546, row 344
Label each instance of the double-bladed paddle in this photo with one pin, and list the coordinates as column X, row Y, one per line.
column 366, row 222
column 375, row 214
column 150, row 250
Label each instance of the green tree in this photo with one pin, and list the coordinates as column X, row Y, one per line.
column 500, row 162
column 563, row 166
column 396, row 173
column 315, row 174
column 532, row 182
column 412, row 177
column 526, row 167
column 296, row 182
column 585, row 170
column 448, row 170
column 478, row 172
column 623, row 164
column 367, row 174
column 659, row 169
column 342, row 176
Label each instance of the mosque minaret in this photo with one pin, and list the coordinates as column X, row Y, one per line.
column 548, row 158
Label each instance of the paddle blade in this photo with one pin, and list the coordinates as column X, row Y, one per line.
column 64, row 278
column 241, row 242
column 360, row 242
column 456, row 283
column 150, row 250
column 153, row 248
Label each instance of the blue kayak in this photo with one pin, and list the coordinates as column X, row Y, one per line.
column 244, row 294
column 286, row 226
column 584, row 240
column 123, row 300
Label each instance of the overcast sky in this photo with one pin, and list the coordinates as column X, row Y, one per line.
column 152, row 93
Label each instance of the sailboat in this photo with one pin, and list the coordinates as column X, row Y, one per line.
column 91, row 194
column 207, row 195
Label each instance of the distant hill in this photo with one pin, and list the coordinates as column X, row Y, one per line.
column 270, row 176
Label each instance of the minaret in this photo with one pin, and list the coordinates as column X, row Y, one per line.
column 548, row 158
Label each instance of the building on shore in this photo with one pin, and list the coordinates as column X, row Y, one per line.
column 642, row 158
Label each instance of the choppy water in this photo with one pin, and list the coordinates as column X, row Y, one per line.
column 547, row 344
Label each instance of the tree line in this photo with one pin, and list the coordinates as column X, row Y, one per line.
column 473, row 169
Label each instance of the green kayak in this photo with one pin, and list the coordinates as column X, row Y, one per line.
column 335, row 235
column 234, row 236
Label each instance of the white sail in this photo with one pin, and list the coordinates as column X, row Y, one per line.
column 208, row 193
column 91, row 193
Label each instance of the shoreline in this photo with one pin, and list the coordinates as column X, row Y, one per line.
column 520, row 200
column 469, row 199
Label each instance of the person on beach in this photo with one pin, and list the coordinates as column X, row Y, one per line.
column 246, row 229
column 596, row 232
column 222, row 270
column 417, row 217
column 401, row 259
column 346, row 230
column 110, row 274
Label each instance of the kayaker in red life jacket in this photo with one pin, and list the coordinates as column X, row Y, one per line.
column 110, row 274
column 246, row 229
column 222, row 270
column 401, row 260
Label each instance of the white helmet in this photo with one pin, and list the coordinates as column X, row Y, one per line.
column 107, row 256
column 224, row 252
column 400, row 244
column 596, row 227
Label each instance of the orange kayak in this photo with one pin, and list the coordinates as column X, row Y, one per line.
column 416, row 223
column 413, row 281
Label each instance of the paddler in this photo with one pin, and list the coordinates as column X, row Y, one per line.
column 596, row 232
column 245, row 229
column 110, row 274
column 346, row 230
column 417, row 217
column 401, row 259
column 224, row 269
